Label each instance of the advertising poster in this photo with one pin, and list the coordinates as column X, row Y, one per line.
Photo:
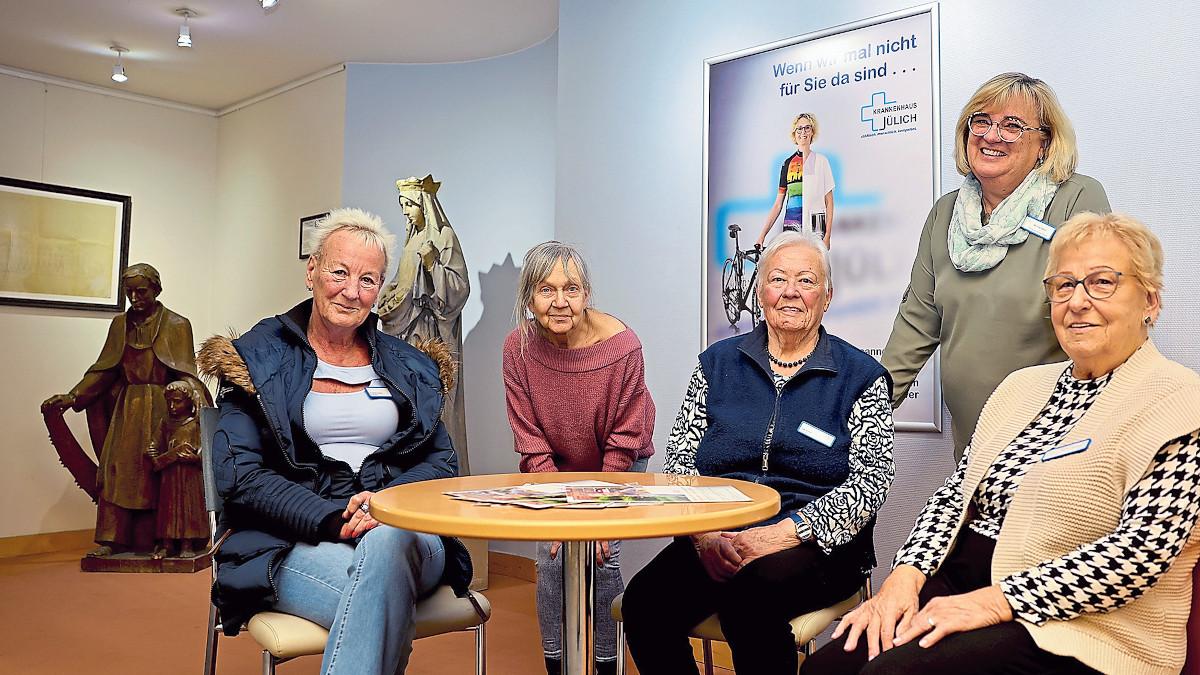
column 872, row 89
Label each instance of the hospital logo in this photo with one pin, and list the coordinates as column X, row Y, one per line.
column 883, row 115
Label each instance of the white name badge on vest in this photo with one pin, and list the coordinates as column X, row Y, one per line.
column 378, row 392
column 819, row 435
column 1068, row 449
column 1040, row 228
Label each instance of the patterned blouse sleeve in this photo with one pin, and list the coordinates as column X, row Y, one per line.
column 1156, row 520
column 839, row 515
column 936, row 525
column 690, row 425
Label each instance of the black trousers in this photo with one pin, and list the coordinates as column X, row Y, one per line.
column 672, row 594
column 1004, row 649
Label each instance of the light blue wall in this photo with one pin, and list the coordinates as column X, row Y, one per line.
column 486, row 130
column 630, row 109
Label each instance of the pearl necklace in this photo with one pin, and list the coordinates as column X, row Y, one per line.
column 788, row 364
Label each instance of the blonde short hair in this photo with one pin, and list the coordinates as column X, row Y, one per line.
column 1061, row 155
column 366, row 227
column 812, row 119
column 1145, row 250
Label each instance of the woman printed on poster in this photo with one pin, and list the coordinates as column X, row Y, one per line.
column 805, row 186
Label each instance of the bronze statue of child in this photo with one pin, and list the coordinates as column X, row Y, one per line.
column 182, row 523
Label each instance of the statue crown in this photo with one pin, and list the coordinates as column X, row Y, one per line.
column 414, row 184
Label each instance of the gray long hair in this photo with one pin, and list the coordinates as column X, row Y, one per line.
column 786, row 239
column 538, row 264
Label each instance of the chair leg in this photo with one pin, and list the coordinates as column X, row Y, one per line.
column 210, row 647
column 480, row 650
column 268, row 663
column 620, row 648
column 708, row 659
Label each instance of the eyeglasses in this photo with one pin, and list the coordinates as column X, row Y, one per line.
column 1098, row 285
column 1008, row 129
column 803, row 129
column 366, row 282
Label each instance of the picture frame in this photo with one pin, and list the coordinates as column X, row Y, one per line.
column 871, row 168
column 307, row 225
column 62, row 247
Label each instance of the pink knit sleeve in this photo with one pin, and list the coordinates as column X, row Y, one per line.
column 633, row 426
column 536, row 454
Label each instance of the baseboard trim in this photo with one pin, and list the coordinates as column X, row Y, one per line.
column 507, row 564
column 510, row 565
column 46, row 542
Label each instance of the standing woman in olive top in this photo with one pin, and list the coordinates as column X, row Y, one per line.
column 805, row 186
column 976, row 285
column 574, row 381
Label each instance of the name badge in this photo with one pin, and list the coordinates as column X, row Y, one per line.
column 819, row 435
column 378, row 392
column 1064, row 450
column 1038, row 227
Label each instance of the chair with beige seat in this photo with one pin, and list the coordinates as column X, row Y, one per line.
column 805, row 627
column 284, row 636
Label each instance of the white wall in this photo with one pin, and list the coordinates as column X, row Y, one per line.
column 629, row 155
column 277, row 161
column 485, row 129
column 166, row 161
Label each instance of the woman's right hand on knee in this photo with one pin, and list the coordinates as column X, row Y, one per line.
column 883, row 616
column 717, row 554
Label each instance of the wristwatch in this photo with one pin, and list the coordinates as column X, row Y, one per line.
column 803, row 528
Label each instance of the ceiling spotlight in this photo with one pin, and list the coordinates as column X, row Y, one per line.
column 185, row 33
column 268, row 4
column 118, row 74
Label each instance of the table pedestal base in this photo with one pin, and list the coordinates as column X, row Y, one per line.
column 579, row 595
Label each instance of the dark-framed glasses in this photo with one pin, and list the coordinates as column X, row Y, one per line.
column 803, row 129
column 366, row 282
column 1098, row 285
column 1009, row 129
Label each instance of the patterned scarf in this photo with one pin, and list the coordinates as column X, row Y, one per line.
column 975, row 247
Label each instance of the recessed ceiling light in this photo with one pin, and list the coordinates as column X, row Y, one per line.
column 268, row 4
column 118, row 72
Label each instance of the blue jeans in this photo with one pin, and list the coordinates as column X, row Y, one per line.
column 609, row 585
column 364, row 594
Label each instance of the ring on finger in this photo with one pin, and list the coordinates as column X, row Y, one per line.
column 931, row 623
column 364, row 507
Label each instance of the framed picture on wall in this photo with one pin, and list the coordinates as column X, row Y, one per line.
column 307, row 225
column 835, row 133
column 62, row 246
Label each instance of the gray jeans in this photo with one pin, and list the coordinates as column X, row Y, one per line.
column 550, row 601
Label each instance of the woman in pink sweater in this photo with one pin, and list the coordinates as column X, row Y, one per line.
column 575, row 384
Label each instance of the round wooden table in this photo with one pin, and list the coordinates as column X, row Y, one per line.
column 422, row 507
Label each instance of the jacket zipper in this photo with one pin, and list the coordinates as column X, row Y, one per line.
column 766, row 450
column 271, row 573
column 278, row 438
column 411, row 404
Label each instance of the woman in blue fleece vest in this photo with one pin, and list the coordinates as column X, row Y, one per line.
column 793, row 407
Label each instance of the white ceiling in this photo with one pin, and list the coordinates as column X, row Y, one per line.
column 240, row 51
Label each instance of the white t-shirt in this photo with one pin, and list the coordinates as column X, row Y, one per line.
column 818, row 182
